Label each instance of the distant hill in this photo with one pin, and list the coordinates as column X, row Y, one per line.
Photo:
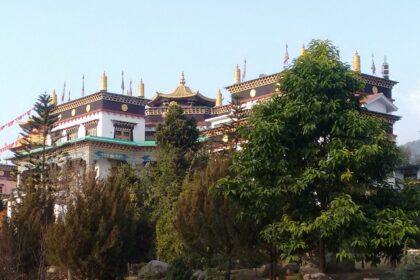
column 412, row 150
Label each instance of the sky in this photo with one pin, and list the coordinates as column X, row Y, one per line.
column 45, row 43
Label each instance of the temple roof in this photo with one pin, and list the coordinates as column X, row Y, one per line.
column 180, row 92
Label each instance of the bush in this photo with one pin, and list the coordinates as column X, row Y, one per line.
column 179, row 271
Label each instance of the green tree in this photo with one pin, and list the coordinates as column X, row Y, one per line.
column 177, row 142
column 209, row 224
column 177, row 131
column 315, row 168
column 95, row 238
column 37, row 140
column 32, row 207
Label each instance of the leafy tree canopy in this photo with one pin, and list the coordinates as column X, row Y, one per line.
column 314, row 167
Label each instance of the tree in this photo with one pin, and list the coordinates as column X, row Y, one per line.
column 209, row 224
column 177, row 142
column 313, row 165
column 37, row 135
column 95, row 238
column 177, row 131
column 32, row 213
column 32, row 208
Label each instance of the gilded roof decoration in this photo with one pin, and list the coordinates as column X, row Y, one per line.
column 181, row 91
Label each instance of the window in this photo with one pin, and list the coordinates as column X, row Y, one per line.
column 1, row 188
column 72, row 132
column 91, row 131
column 72, row 135
column 91, row 128
column 123, row 130
column 123, row 133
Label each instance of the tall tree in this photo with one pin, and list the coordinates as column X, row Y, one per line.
column 208, row 223
column 37, row 135
column 32, row 207
column 313, row 164
column 177, row 142
column 97, row 234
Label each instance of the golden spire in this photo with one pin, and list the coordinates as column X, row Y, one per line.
column 356, row 62
column 104, row 82
column 141, row 88
column 237, row 75
column 219, row 98
column 182, row 80
column 53, row 98
column 302, row 49
column 130, row 89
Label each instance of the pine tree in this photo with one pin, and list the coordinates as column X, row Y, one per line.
column 32, row 207
column 37, row 135
column 95, row 238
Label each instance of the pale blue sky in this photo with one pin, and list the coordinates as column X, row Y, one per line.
column 44, row 43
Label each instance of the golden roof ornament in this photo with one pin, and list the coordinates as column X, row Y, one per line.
column 356, row 62
column 219, row 98
column 302, row 50
column 104, row 82
column 141, row 88
column 237, row 75
column 54, row 98
column 130, row 89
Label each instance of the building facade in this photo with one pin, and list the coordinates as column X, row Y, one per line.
column 100, row 129
column 7, row 180
column 378, row 98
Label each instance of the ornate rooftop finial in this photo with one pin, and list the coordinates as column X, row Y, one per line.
column 373, row 66
column 83, row 85
column 54, row 98
column 356, row 62
column 104, row 82
column 122, row 82
column 64, row 93
column 385, row 69
column 236, row 75
column 130, row 90
column 182, row 80
column 141, row 88
column 302, row 50
column 219, row 98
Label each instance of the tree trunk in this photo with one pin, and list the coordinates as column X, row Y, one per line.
column 228, row 268
column 322, row 264
column 273, row 264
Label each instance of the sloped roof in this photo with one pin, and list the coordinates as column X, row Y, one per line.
column 379, row 97
column 181, row 91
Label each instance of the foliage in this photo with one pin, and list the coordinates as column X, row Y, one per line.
column 177, row 142
column 37, row 135
column 314, row 168
column 208, row 224
column 95, row 237
column 177, row 131
column 32, row 207
column 179, row 271
column 32, row 213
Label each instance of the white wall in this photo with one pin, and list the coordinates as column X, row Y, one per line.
column 102, row 168
column 105, row 125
